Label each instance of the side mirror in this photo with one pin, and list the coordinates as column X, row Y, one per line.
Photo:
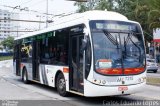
column 84, row 45
column 84, row 41
column 85, row 31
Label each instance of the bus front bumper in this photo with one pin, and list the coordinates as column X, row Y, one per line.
column 93, row 90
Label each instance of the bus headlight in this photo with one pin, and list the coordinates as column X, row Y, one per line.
column 142, row 79
column 103, row 82
column 96, row 81
column 99, row 82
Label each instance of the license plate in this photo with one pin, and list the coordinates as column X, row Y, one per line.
column 122, row 88
column 126, row 78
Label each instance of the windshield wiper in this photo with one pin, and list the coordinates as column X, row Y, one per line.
column 110, row 37
column 129, row 38
column 118, row 61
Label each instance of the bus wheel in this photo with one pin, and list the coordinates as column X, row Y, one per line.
column 25, row 76
column 61, row 85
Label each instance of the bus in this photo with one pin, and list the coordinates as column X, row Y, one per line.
column 95, row 53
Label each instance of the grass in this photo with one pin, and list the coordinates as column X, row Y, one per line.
column 153, row 81
column 5, row 58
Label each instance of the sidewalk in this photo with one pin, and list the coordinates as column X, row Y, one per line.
column 6, row 63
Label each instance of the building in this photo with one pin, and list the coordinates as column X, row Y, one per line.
column 8, row 27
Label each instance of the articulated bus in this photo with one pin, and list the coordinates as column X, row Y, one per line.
column 95, row 53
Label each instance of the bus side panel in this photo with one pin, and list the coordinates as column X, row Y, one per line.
column 14, row 67
column 28, row 66
column 47, row 74
column 43, row 74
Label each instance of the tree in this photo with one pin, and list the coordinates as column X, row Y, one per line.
column 8, row 43
column 154, row 14
column 82, row 7
column 103, row 5
column 94, row 5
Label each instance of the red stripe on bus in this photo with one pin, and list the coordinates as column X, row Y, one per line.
column 118, row 71
column 134, row 70
column 110, row 71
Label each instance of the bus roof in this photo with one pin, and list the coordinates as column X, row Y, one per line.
column 79, row 18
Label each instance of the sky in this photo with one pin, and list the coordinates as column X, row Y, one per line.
column 55, row 7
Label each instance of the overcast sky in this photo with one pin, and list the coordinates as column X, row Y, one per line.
column 54, row 6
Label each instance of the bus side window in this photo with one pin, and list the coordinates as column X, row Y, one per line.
column 60, row 45
column 54, row 48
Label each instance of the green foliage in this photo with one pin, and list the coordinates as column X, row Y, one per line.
column 8, row 43
column 5, row 58
column 82, row 7
column 96, row 5
column 154, row 14
column 104, row 5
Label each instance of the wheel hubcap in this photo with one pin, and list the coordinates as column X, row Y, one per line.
column 61, row 84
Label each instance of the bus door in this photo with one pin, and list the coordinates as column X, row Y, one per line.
column 35, row 60
column 17, row 59
column 76, row 63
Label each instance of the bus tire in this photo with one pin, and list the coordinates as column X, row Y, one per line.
column 25, row 76
column 61, row 85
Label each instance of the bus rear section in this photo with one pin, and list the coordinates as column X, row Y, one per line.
column 118, row 65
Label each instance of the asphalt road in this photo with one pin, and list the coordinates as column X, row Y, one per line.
column 33, row 94
column 152, row 74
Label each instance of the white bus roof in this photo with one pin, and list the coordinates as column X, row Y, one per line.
column 79, row 18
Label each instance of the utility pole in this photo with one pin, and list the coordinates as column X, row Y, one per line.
column 46, row 13
column 17, row 31
column 40, row 23
column 39, row 20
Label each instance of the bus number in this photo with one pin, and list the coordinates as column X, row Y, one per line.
column 128, row 78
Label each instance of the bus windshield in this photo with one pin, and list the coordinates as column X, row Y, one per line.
column 118, row 47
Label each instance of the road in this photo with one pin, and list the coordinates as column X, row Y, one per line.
column 156, row 75
column 12, row 88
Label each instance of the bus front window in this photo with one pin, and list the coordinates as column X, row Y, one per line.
column 118, row 47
